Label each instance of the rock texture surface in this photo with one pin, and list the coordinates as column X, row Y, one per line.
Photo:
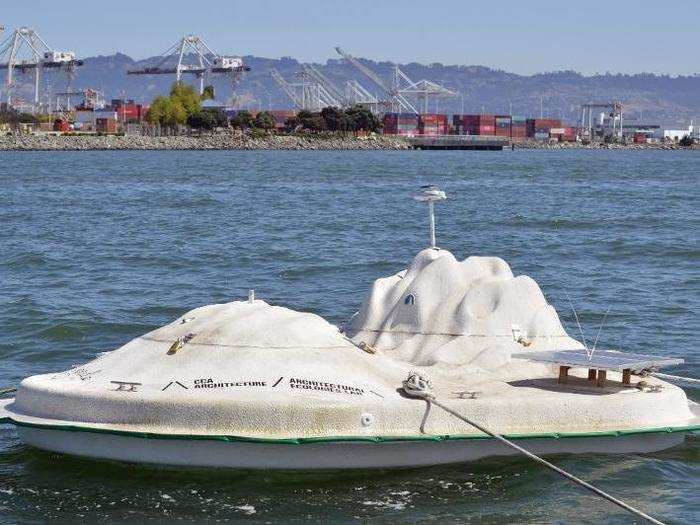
column 213, row 141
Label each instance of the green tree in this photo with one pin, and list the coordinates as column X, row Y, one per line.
column 176, row 109
column 363, row 119
column 208, row 119
column 242, row 120
column 264, row 120
column 316, row 123
column 311, row 121
column 334, row 118
column 187, row 97
column 208, row 93
column 178, row 112
column 291, row 124
column 686, row 141
column 160, row 111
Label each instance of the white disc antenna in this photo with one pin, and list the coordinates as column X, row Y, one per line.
column 430, row 194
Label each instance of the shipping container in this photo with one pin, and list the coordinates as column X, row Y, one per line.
column 106, row 125
column 475, row 124
column 503, row 121
column 539, row 125
column 432, row 124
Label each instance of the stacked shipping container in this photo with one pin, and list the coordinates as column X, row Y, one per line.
column 432, row 124
column 131, row 113
column 518, row 128
column 502, row 125
column 474, row 124
column 566, row 134
column 106, row 125
column 401, row 124
column 538, row 128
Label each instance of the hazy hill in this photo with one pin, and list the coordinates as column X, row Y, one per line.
column 654, row 97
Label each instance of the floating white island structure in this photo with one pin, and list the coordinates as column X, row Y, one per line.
column 251, row 385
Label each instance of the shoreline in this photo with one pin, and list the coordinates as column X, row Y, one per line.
column 237, row 142
column 213, row 141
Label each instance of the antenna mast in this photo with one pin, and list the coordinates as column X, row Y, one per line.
column 430, row 194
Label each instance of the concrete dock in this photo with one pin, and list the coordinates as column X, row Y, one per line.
column 475, row 142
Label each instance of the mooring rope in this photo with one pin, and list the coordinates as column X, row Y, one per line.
column 419, row 387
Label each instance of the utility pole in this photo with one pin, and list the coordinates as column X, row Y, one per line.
column 541, row 107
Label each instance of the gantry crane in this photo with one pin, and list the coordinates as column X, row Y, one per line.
column 587, row 121
column 422, row 90
column 24, row 51
column 193, row 56
column 356, row 94
column 315, row 91
column 402, row 87
column 308, row 94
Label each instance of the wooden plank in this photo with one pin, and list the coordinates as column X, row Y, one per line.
column 591, row 374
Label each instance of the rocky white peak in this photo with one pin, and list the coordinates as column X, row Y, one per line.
column 441, row 310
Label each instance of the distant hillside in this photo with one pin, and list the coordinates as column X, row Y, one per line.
column 653, row 97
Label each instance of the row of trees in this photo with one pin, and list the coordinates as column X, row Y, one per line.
column 334, row 119
column 9, row 115
column 352, row 119
column 184, row 106
column 245, row 120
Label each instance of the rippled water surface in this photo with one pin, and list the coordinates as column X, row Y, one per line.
column 99, row 247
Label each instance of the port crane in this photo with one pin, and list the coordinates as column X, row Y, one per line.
column 352, row 94
column 308, row 94
column 587, row 121
column 397, row 101
column 315, row 91
column 24, row 51
column 422, row 90
column 91, row 99
column 356, row 94
column 401, row 87
column 194, row 57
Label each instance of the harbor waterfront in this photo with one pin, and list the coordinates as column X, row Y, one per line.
column 103, row 246
column 237, row 141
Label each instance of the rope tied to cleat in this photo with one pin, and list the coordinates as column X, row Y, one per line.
column 419, row 387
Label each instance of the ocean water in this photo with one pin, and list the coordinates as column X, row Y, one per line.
column 99, row 247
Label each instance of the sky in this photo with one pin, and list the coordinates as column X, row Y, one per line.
column 520, row 36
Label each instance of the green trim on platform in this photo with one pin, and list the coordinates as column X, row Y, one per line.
column 360, row 439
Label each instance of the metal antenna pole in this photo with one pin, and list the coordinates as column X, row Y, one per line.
column 430, row 194
column 431, row 213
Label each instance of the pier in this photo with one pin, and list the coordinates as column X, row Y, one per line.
column 473, row 142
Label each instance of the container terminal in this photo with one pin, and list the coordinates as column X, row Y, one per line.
column 400, row 103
